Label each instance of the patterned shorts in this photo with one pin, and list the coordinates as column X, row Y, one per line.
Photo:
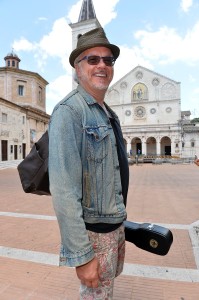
column 110, row 250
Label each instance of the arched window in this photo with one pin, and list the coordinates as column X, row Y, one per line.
column 139, row 92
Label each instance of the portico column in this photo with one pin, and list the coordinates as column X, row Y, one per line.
column 158, row 147
column 128, row 145
column 144, row 147
column 173, row 147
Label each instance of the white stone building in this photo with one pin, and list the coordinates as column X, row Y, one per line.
column 149, row 107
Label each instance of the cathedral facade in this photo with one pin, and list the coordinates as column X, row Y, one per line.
column 149, row 108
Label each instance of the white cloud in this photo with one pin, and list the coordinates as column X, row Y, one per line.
column 191, row 78
column 129, row 58
column 57, row 90
column 55, row 44
column 104, row 9
column 167, row 46
column 42, row 19
column 58, row 41
column 73, row 14
column 186, row 5
column 23, row 44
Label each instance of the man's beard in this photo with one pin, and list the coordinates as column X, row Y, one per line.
column 100, row 85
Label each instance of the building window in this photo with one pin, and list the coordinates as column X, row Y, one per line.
column 40, row 94
column 13, row 63
column 23, row 120
column 8, row 63
column 183, row 144
column 177, row 145
column 20, row 90
column 4, row 118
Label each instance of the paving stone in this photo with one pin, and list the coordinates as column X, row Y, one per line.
column 163, row 194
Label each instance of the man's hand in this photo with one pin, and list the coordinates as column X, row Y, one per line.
column 89, row 273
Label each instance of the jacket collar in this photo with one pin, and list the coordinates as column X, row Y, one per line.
column 91, row 101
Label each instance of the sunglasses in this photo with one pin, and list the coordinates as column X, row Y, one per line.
column 94, row 60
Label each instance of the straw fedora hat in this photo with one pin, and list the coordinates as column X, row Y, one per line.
column 91, row 39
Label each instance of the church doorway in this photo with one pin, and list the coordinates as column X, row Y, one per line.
column 136, row 146
column 139, row 148
column 4, row 150
column 15, row 152
column 23, row 150
column 167, row 150
column 166, row 146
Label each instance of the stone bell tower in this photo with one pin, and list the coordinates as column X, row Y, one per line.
column 86, row 22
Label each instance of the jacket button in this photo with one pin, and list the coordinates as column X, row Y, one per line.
column 117, row 168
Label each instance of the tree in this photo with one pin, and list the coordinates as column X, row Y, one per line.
column 195, row 120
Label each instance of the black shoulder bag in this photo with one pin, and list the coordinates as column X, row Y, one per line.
column 33, row 170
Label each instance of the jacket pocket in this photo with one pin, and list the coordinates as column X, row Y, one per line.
column 97, row 149
column 97, row 143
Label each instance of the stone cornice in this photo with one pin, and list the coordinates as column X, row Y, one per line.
column 11, row 104
column 23, row 72
column 39, row 115
column 31, row 112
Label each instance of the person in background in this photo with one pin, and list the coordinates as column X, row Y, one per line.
column 88, row 170
column 196, row 160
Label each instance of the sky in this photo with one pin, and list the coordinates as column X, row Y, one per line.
column 161, row 35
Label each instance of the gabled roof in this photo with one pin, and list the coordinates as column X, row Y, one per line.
column 141, row 68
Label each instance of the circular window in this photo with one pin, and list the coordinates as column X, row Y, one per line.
column 123, row 85
column 139, row 75
column 155, row 82
column 140, row 111
column 152, row 110
column 168, row 109
column 127, row 113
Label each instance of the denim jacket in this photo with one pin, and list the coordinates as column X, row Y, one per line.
column 84, row 173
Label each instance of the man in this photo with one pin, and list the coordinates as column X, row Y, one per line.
column 88, row 171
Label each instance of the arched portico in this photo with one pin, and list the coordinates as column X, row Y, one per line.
column 151, row 148
column 165, row 146
column 136, row 146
